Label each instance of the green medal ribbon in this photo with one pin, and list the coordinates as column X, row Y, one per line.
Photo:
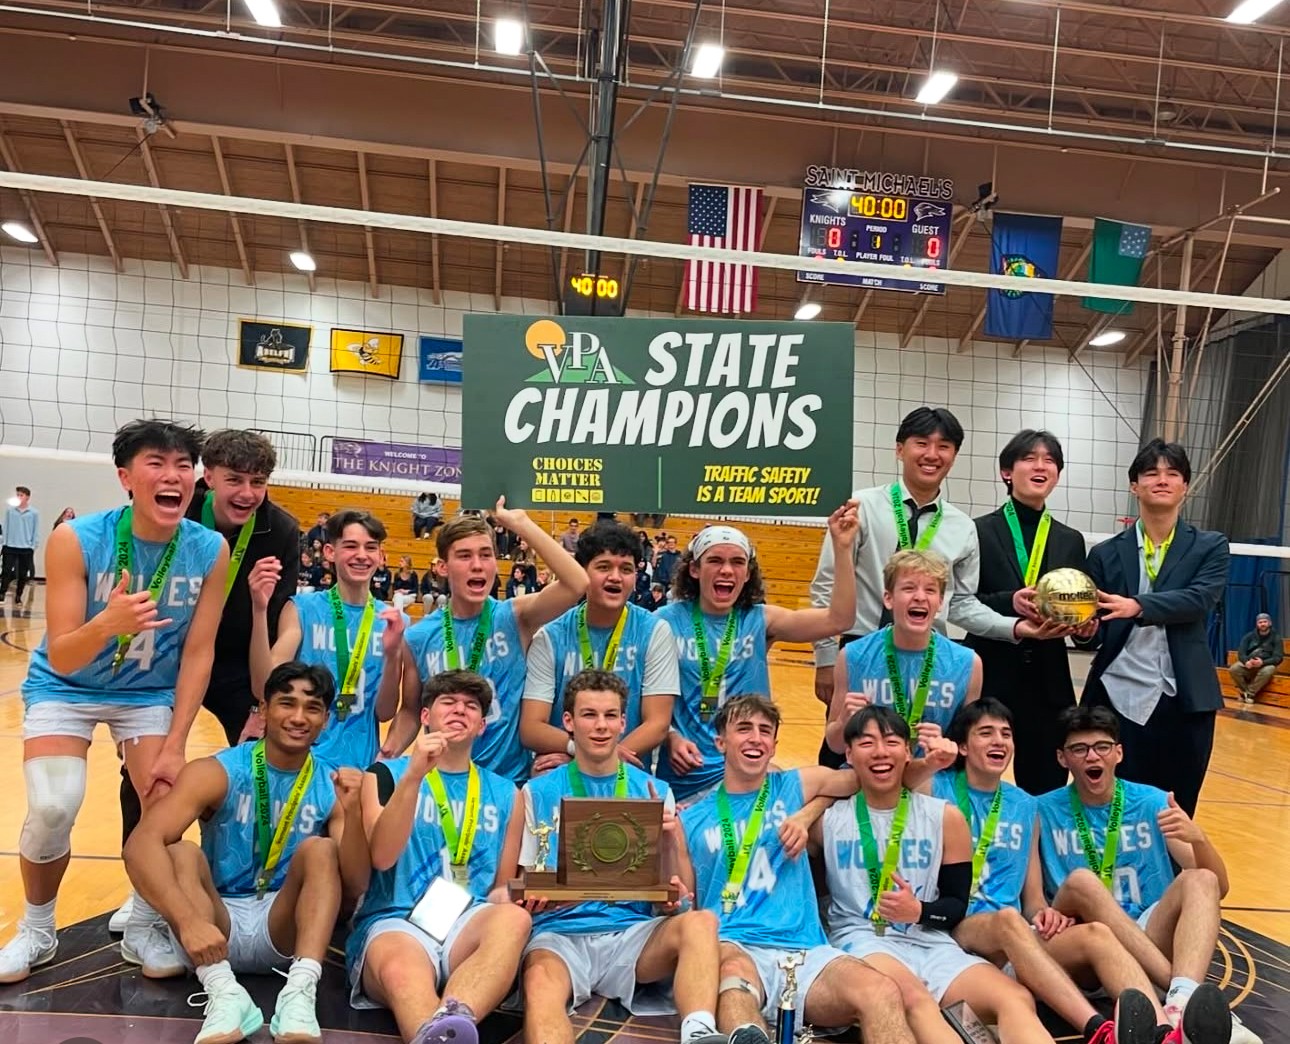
column 986, row 838
column 239, row 548
column 1153, row 558
column 739, row 853
column 913, row 714
column 1028, row 560
column 452, row 651
column 611, row 650
column 880, row 877
column 579, row 786
column 1104, row 866
column 125, row 560
column 461, row 841
column 710, row 674
column 271, row 840
column 349, row 667
column 903, row 543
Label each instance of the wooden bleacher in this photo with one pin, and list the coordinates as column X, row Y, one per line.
column 1276, row 693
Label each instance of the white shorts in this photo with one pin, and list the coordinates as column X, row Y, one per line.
column 934, row 957
column 440, row 953
column 767, row 958
column 127, row 722
column 1144, row 918
column 605, row 964
column 250, row 949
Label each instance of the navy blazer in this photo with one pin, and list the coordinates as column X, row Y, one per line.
column 1190, row 585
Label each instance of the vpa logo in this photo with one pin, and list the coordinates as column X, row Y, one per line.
column 576, row 358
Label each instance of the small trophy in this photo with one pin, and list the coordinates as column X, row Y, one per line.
column 542, row 832
column 967, row 1024
column 787, row 1020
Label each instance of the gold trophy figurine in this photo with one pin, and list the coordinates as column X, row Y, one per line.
column 787, row 1020
column 542, row 832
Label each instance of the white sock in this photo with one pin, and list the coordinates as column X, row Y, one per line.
column 40, row 916
column 305, row 968
column 216, row 974
column 142, row 915
column 698, row 1024
column 1180, row 989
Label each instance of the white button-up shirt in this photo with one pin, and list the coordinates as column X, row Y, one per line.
column 1144, row 670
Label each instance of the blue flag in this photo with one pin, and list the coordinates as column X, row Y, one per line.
column 1024, row 246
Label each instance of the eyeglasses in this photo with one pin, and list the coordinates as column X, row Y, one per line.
column 1081, row 750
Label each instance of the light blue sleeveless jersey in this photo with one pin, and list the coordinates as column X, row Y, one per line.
column 147, row 677
column 543, row 794
column 1143, row 869
column 354, row 740
column 499, row 747
column 396, row 891
column 777, row 906
column 746, row 675
column 229, row 836
column 566, row 654
column 1008, row 857
column 866, row 661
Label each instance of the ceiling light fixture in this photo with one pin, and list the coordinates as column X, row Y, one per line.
column 707, row 61
column 303, row 261
column 938, row 84
column 508, row 36
column 265, row 12
column 807, row 310
column 17, row 230
column 1251, row 11
column 1107, row 338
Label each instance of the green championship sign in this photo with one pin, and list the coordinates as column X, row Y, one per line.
column 657, row 415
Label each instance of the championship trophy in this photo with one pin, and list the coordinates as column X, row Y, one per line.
column 607, row 850
column 788, row 997
column 1066, row 596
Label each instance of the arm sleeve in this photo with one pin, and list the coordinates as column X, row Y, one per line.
column 826, row 649
column 662, row 668
column 966, row 610
column 1277, row 653
column 539, row 682
column 954, row 883
column 1193, row 602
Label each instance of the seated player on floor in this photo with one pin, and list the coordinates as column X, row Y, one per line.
column 1167, row 920
column 259, row 888
column 624, row 950
column 762, row 891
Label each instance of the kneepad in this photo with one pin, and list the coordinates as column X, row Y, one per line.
column 737, row 982
column 55, row 790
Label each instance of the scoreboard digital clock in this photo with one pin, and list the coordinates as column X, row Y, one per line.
column 592, row 294
column 887, row 219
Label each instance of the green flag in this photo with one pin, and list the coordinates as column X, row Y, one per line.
column 1118, row 251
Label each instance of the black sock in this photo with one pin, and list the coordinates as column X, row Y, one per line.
column 1092, row 1026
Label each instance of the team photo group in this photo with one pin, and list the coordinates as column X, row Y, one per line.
column 399, row 786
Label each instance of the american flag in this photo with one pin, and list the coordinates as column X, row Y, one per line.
column 726, row 216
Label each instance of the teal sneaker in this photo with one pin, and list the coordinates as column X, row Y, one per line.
column 231, row 1015
column 295, row 1018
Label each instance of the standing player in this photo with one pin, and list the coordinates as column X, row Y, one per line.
column 906, row 665
column 1168, row 921
column 444, row 833
column 264, row 883
column 347, row 631
column 132, row 592
column 606, row 632
column 764, row 895
column 617, row 950
column 476, row 632
column 723, row 630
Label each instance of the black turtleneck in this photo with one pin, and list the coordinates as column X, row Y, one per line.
column 1028, row 518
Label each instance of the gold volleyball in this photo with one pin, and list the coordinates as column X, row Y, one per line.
column 1066, row 596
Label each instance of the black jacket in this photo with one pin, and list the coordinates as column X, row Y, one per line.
column 276, row 535
column 1190, row 585
column 1269, row 648
column 1039, row 671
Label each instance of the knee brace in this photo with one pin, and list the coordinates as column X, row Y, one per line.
column 55, row 790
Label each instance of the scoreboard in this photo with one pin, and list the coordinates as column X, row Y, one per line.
column 901, row 220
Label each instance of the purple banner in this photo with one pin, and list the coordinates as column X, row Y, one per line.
column 396, row 460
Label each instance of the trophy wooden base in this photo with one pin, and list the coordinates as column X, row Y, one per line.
column 543, row 884
column 968, row 1025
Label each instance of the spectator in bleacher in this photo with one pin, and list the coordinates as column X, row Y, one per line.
column 519, row 583
column 434, row 586
column 665, row 563
column 381, row 578
column 317, row 536
column 502, row 537
column 647, row 549
column 404, row 585
column 657, row 598
column 427, row 513
column 67, row 515
column 522, row 555
column 640, row 591
column 569, row 538
column 1256, row 658
column 311, row 571
column 325, row 580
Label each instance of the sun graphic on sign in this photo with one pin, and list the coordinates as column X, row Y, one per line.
column 544, row 332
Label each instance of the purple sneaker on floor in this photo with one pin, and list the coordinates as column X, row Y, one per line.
column 447, row 1029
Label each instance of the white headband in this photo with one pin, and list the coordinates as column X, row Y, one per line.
column 706, row 539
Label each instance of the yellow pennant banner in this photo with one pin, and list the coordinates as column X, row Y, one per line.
column 362, row 351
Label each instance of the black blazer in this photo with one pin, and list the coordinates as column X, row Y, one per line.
column 1039, row 670
column 1190, row 585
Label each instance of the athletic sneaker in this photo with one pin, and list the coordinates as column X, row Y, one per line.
column 749, row 1033
column 447, row 1029
column 230, row 1013
column 1135, row 1021
column 1242, row 1034
column 154, row 951
column 30, row 948
column 120, row 920
column 295, row 1018
column 1205, row 1019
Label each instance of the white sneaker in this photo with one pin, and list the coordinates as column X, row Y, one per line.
column 154, row 951
column 295, row 1017
column 30, row 948
column 1242, row 1034
column 118, row 921
column 230, row 1013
